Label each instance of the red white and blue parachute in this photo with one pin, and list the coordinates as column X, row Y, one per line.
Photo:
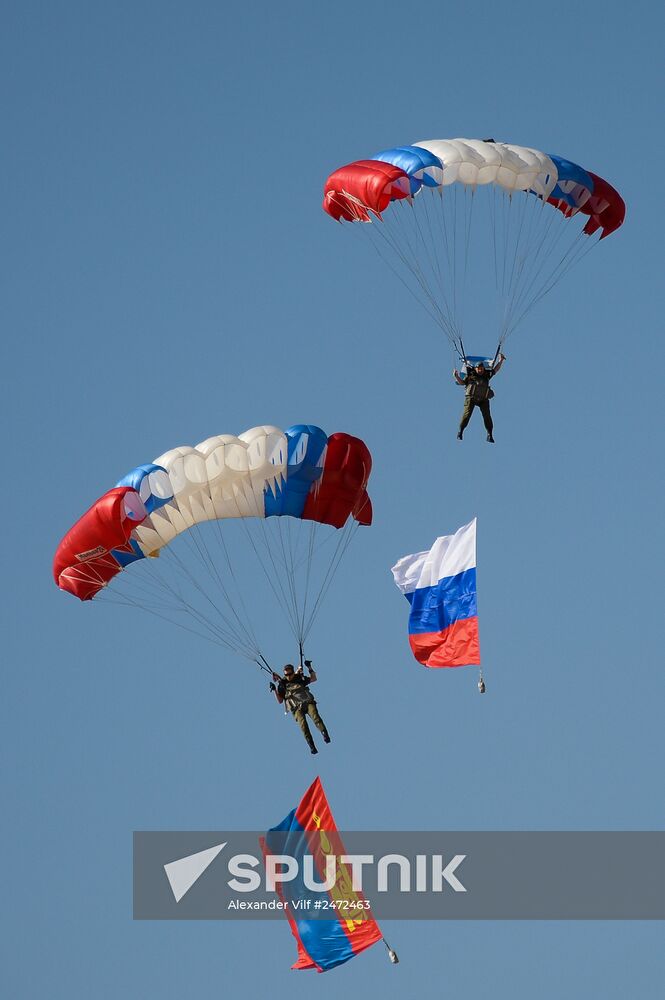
column 423, row 195
column 265, row 475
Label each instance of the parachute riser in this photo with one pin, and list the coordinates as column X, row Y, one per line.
column 263, row 664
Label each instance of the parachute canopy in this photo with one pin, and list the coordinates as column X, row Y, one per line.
column 265, row 474
column 431, row 244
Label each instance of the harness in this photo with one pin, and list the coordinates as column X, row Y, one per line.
column 478, row 388
column 296, row 695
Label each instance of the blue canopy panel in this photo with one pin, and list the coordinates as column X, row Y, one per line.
column 139, row 480
column 421, row 167
column 306, row 449
column 574, row 185
column 125, row 558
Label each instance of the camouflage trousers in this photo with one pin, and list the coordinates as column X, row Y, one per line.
column 300, row 715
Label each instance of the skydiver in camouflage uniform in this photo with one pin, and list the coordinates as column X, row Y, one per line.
column 478, row 393
column 292, row 690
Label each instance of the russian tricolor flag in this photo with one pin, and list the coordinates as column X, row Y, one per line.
column 440, row 586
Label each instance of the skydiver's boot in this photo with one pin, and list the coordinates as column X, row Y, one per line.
column 490, row 438
column 313, row 749
column 326, row 736
column 460, row 435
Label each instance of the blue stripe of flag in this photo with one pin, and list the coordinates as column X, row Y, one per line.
column 452, row 599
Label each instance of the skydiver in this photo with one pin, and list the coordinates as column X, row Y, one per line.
column 478, row 393
column 292, row 690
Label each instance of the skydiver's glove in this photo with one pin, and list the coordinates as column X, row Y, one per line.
column 308, row 664
column 273, row 687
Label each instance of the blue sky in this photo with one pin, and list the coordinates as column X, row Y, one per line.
column 168, row 275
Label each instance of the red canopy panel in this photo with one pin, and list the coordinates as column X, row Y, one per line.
column 606, row 208
column 342, row 490
column 83, row 562
column 357, row 189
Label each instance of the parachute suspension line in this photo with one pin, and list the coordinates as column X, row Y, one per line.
column 425, row 280
column 492, row 202
column 330, row 571
column 234, row 638
column 239, row 632
column 291, row 580
column 222, row 545
column 310, row 554
column 510, row 213
column 244, row 624
column 149, row 587
column 577, row 251
column 294, row 531
column 433, row 259
column 445, row 296
column 513, row 218
column 580, row 250
column 449, row 219
column 408, row 287
column 412, row 259
column 182, row 607
column 395, row 234
column 229, row 632
column 340, row 550
column 468, row 220
column 426, row 197
column 296, row 563
column 346, row 533
column 532, row 271
column 316, row 547
column 128, row 603
column 275, row 582
column 285, row 527
column 286, row 600
column 432, row 309
column 525, row 257
column 533, row 290
column 280, row 595
column 519, row 225
column 454, row 279
column 152, row 587
column 440, row 306
column 208, row 631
